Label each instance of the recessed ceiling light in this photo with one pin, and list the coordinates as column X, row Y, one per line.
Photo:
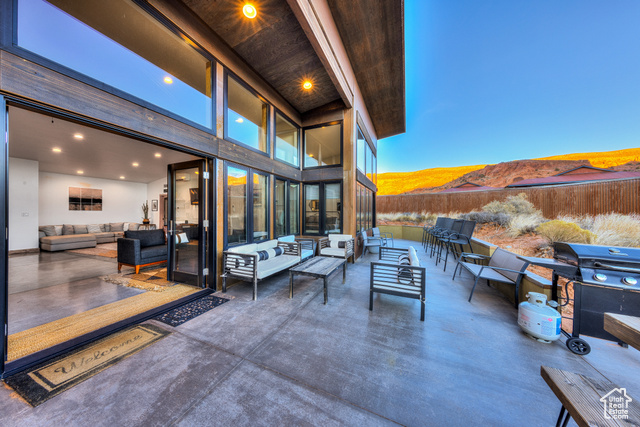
column 78, row 136
column 307, row 85
column 135, row 164
column 249, row 10
column 56, row 150
column 168, row 80
column 80, row 172
column 158, row 155
column 122, row 177
column 239, row 120
column 197, row 173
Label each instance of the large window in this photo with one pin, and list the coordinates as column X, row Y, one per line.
column 246, row 222
column 360, row 144
column 323, row 145
column 323, row 208
column 287, row 199
column 246, row 116
column 236, row 205
column 119, row 44
column 364, row 207
column 287, row 141
column 260, row 207
column 365, row 158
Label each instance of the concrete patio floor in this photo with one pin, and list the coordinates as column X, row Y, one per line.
column 281, row 361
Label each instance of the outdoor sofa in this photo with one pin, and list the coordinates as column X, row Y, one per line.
column 257, row 261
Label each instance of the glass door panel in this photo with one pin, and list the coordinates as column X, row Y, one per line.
column 312, row 209
column 186, row 215
column 332, row 197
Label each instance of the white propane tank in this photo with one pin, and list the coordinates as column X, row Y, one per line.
column 539, row 320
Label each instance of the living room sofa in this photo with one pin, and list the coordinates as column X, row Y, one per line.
column 62, row 237
column 140, row 248
column 257, row 261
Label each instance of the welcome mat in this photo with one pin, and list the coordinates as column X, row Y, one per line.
column 154, row 279
column 109, row 250
column 47, row 380
column 186, row 312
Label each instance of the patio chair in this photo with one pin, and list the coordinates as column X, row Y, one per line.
column 370, row 242
column 403, row 280
column 455, row 227
column 338, row 246
column 385, row 236
column 445, row 225
column 503, row 267
column 463, row 237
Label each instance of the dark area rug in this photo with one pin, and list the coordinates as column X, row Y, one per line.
column 51, row 378
column 179, row 315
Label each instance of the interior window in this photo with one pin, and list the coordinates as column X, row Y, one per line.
column 286, row 141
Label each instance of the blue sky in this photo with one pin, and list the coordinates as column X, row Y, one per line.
column 493, row 81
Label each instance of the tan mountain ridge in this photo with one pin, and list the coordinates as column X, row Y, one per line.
column 503, row 174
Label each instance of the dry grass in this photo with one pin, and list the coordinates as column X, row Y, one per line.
column 617, row 230
column 523, row 224
column 401, row 182
column 604, row 159
column 563, row 231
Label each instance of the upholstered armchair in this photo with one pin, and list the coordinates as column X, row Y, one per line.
column 141, row 248
column 338, row 246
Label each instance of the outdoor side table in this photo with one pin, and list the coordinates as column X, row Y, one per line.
column 319, row 267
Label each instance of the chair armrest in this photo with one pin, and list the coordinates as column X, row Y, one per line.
column 245, row 265
column 308, row 244
column 470, row 255
column 323, row 243
column 129, row 251
column 390, row 254
column 290, row 248
column 389, row 273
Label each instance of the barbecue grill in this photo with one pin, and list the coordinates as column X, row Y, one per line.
column 605, row 279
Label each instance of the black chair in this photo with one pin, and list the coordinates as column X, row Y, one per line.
column 461, row 238
column 455, row 227
column 141, row 248
column 445, row 227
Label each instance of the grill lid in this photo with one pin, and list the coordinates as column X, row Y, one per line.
column 596, row 256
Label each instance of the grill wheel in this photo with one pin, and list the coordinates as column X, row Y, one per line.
column 578, row 346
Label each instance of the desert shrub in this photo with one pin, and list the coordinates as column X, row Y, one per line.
column 483, row 217
column 513, row 205
column 617, row 230
column 523, row 224
column 563, row 231
column 583, row 221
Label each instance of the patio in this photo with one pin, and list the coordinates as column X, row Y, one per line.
column 281, row 361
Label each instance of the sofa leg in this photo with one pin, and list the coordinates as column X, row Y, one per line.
column 119, row 267
column 255, row 290
column 137, row 269
column 224, row 284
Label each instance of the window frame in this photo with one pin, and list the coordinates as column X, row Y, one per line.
column 304, row 145
column 287, row 205
column 277, row 111
column 249, row 210
column 225, row 108
column 322, row 209
column 13, row 47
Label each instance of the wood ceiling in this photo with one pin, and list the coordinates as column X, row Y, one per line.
column 275, row 45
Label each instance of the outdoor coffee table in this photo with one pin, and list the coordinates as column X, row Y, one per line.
column 319, row 267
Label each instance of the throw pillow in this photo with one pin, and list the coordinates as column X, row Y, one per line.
column 404, row 259
column 342, row 244
column 263, row 255
column 48, row 230
column 278, row 251
column 67, row 229
column 104, row 227
column 93, row 229
column 79, row 229
column 134, row 226
column 116, row 226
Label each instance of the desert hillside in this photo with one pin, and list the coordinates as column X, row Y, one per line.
column 502, row 174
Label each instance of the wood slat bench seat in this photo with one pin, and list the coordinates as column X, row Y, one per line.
column 581, row 398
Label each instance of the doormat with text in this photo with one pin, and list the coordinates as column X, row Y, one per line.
column 179, row 315
column 51, row 378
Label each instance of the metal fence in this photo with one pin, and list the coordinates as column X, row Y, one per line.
column 592, row 198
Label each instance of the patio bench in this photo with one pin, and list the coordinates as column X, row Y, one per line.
column 584, row 399
column 395, row 277
column 503, row 267
column 257, row 261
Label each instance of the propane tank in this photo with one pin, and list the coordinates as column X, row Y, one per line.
column 539, row 320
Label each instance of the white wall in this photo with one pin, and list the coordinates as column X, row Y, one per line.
column 121, row 201
column 23, row 204
column 154, row 190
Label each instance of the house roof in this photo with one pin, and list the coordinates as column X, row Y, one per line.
column 572, row 178
column 584, row 169
column 467, row 186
